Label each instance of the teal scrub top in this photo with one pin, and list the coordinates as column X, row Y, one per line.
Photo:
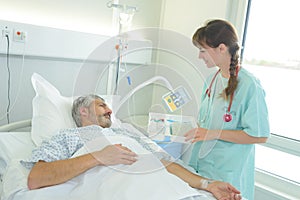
column 226, row 161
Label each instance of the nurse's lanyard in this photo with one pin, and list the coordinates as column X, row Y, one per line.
column 227, row 117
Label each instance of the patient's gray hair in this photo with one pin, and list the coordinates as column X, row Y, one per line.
column 83, row 101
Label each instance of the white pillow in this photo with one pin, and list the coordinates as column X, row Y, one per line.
column 52, row 111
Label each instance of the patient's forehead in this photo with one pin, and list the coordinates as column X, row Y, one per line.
column 98, row 102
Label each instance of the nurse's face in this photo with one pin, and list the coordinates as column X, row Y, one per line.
column 208, row 55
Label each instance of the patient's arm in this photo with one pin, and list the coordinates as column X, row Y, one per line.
column 52, row 173
column 221, row 190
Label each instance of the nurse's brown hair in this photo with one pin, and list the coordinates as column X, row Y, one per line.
column 214, row 33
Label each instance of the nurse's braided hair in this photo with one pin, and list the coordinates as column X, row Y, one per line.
column 213, row 34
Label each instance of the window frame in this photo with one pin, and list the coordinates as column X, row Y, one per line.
column 276, row 141
column 275, row 186
column 284, row 144
column 265, row 182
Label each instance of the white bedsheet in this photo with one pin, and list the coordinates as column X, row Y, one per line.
column 146, row 179
column 104, row 183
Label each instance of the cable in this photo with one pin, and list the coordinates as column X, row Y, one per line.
column 20, row 78
column 8, row 80
column 12, row 104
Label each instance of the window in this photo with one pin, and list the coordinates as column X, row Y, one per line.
column 271, row 54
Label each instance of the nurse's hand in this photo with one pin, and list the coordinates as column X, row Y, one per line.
column 199, row 134
column 223, row 191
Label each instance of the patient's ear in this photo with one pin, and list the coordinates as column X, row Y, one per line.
column 84, row 111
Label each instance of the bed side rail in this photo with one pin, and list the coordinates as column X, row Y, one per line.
column 15, row 126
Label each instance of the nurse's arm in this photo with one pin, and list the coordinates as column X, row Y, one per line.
column 237, row 136
column 234, row 136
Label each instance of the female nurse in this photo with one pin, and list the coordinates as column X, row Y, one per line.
column 233, row 113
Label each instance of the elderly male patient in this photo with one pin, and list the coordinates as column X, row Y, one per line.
column 52, row 163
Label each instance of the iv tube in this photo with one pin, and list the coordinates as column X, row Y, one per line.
column 140, row 86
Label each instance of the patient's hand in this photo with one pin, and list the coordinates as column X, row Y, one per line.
column 115, row 154
column 223, row 191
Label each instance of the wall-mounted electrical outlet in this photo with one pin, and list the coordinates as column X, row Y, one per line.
column 5, row 32
column 19, row 36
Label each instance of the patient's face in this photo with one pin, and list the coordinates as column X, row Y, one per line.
column 99, row 113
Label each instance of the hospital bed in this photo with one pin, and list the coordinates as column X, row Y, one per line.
column 51, row 113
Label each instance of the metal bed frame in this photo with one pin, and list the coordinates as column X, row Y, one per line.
column 16, row 126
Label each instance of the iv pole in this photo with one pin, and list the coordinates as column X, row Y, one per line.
column 125, row 15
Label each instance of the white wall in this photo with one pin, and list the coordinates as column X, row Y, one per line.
column 87, row 16
column 76, row 63
column 186, row 16
column 60, row 36
column 92, row 16
column 47, row 51
column 181, row 19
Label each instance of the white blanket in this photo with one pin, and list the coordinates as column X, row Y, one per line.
column 145, row 179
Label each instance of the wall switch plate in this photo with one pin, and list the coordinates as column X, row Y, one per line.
column 19, row 35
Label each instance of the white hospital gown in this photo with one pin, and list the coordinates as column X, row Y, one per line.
column 68, row 141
